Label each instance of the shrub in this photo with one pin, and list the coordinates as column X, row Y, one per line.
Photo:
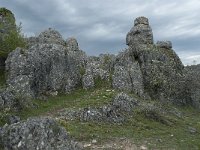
column 11, row 41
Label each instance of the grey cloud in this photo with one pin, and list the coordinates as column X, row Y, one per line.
column 101, row 26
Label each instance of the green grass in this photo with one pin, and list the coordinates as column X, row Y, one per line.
column 2, row 78
column 138, row 128
column 78, row 99
column 141, row 130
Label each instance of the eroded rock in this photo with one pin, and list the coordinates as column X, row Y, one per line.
column 36, row 133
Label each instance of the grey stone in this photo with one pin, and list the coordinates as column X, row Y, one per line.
column 36, row 133
column 162, row 71
column 10, row 99
column 127, row 75
column 87, row 81
column 13, row 119
column 46, row 67
column 141, row 33
column 164, row 44
column 192, row 85
column 72, row 44
column 49, row 36
column 115, row 112
column 192, row 130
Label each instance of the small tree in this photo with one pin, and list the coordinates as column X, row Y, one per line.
column 11, row 41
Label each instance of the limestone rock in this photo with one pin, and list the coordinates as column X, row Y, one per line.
column 115, row 112
column 7, row 21
column 164, row 44
column 161, row 69
column 127, row 74
column 49, row 36
column 46, row 67
column 72, row 44
column 192, row 85
column 141, row 33
column 36, row 133
column 87, row 81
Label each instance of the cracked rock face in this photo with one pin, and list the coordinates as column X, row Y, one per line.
column 141, row 33
column 115, row 112
column 36, row 133
column 46, row 67
column 127, row 75
column 193, row 84
column 87, row 81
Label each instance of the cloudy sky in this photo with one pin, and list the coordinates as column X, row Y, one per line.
column 100, row 26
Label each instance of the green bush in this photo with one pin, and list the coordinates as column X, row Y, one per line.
column 11, row 41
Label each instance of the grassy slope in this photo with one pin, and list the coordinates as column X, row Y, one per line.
column 139, row 128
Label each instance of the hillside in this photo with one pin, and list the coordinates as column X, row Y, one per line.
column 54, row 96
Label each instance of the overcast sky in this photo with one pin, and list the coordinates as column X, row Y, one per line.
column 100, row 26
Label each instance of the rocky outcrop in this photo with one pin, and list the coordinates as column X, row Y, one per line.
column 98, row 69
column 141, row 33
column 161, row 69
column 36, row 133
column 12, row 99
column 47, row 66
column 7, row 24
column 48, row 36
column 193, row 85
column 87, row 81
column 115, row 112
column 127, row 75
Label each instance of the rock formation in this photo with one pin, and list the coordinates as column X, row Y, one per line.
column 193, row 85
column 115, row 112
column 48, row 65
column 51, row 65
column 141, row 33
column 7, row 24
column 152, row 70
column 36, row 133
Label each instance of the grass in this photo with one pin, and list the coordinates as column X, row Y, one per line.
column 139, row 128
column 2, row 78
column 78, row 99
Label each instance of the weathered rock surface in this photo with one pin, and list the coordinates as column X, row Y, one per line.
column 164, row 44
column 87, row 81
column 127, row 75
column 11, row 100
column 49, row 36
column 47, row 65
column 115, row 112
column 161, row 69
column 36, row 133
column 193, row 84
column 7, row 24
column 141, row 33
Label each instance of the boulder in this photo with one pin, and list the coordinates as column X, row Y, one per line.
column 72, row 44
column 10, row 99
column 36, row 133
column 141, row 33
column 47, row 66
column 49, row 36
column 87, row 81
column 164, row 44
column 192, row 85
column 127, row 75
column 115, row 112
column 162, row 71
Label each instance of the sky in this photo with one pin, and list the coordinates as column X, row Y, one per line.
column 100, row 26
